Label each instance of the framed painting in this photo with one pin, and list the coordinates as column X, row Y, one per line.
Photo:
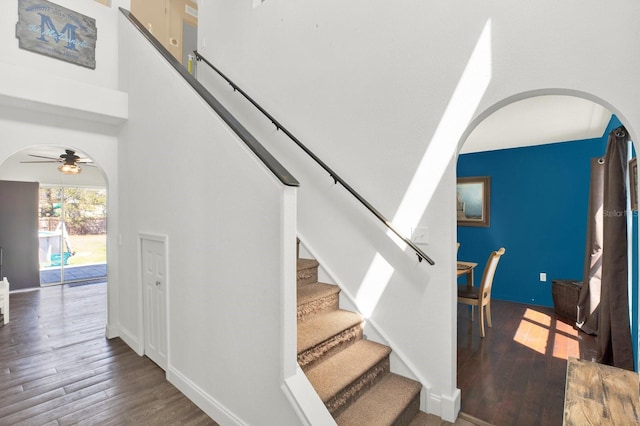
column 473, row 200
column 633, row 182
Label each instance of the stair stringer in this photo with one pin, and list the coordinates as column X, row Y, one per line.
column 445, row 406
column 305, row 401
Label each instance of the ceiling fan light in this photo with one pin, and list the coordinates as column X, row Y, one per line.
column 69, row 169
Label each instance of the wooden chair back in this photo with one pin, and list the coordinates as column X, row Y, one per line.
column 481, row 296
column 487, row 276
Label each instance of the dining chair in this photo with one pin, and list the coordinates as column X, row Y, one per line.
column 481, row 296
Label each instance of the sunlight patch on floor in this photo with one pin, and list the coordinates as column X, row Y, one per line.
column 539, row 332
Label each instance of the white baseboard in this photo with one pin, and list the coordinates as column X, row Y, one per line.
column 445, row 406
column 131, row 340
column 205, row 402
column 111, row 331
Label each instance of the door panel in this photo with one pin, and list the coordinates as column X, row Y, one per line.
column 154, row 285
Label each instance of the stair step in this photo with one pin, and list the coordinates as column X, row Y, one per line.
column 424, row 419
column 315, row 299
column 343, row 377
column 307, row 271
column 327, row 334
column 395, row 400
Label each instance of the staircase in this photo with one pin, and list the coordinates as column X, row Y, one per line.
column 351, row 375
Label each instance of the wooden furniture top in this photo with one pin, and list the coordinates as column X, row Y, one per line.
column 465, row 267
column 598, row 394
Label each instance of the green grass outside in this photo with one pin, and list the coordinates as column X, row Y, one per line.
column 88, row 249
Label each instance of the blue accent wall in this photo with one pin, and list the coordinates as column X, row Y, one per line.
column 538, row 212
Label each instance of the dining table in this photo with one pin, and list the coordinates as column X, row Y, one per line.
column 466, row 268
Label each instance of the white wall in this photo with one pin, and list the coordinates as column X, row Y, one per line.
column 44, row 101
column 230, row 226
column 105, row 73
column 385, row 93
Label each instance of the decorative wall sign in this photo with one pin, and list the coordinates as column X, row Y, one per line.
column 55, row 31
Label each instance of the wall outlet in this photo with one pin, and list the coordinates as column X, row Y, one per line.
column 420, row 235
column 543, row 276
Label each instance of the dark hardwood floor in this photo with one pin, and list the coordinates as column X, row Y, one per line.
column 57, row 367
column 516, row 374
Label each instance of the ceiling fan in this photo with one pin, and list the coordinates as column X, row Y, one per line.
column 69, row 162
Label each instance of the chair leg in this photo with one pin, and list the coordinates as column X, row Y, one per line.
column 481, row 319
column 489, row 314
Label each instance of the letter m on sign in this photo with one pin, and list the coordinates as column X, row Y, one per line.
column 48, row 28
column 74, row 35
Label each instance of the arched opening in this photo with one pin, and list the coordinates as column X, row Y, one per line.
column 536, row 148
column 70, row 218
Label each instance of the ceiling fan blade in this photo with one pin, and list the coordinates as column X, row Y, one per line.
column 50, row 161
column 42, row 156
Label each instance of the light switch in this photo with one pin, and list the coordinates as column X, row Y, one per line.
column 420, row 235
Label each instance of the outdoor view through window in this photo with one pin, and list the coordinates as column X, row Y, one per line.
column 72, row 235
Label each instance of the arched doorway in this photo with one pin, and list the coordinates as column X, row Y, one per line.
column 70, row 215
column 539, row 169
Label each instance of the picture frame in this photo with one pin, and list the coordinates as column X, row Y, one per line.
column 473, row 201
column 633, row 183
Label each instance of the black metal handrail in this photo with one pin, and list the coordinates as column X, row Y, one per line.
column 336, row 178
column 265, row 156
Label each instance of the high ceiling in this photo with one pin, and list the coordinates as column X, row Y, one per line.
column 537, row 121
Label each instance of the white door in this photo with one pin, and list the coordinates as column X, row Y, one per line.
column 154, row 288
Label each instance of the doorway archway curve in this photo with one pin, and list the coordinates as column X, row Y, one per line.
column 79, row 239
column 487, row 112
column 612, row 109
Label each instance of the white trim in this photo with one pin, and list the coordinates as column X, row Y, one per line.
column 111, row 331
column 450, row 406
column 296, row 387
column 209, row 405
column 288, row 291
column 130, row 339
column 305, row 401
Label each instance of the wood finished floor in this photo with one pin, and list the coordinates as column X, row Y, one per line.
column 516, row 374
column 57, row 367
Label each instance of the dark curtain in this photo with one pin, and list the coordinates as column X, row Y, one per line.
column 589, row 301
column 603, row 305
column 614, row 332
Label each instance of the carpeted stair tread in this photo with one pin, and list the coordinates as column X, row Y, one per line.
column 311, row 292
column 316, row 299
column 346, row 374
column 307, row 263
column 383, row 404
column 315, row 331
column 307, row 271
